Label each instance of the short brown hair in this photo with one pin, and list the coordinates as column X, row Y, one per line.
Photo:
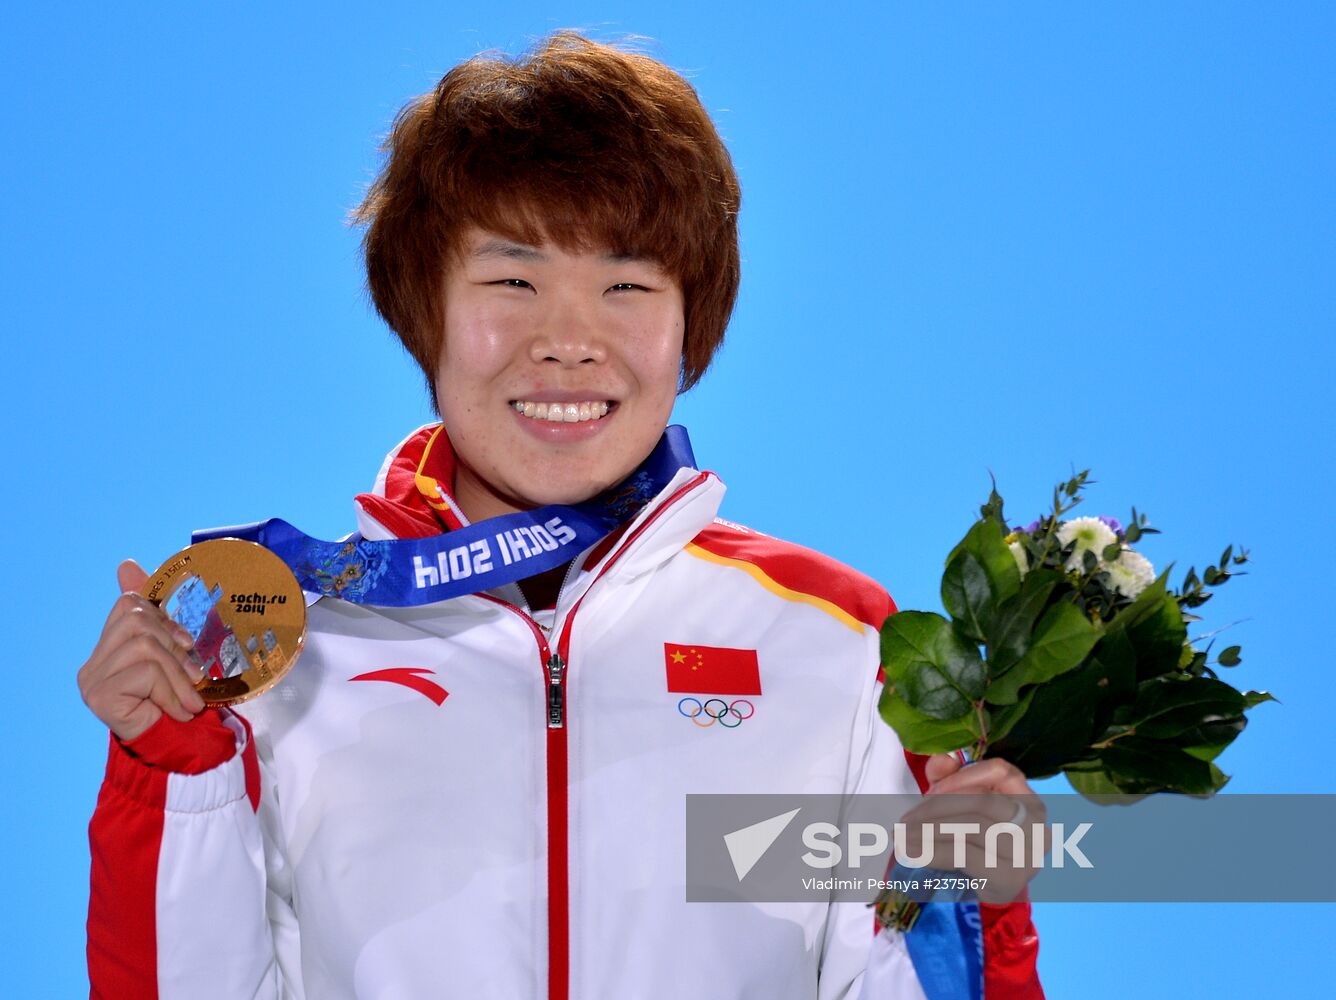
column 586, row 145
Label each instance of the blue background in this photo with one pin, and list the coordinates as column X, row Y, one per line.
column 1025, row 238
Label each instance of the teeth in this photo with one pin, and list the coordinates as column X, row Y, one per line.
column 570, row 413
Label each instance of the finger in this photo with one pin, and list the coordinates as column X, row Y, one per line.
column 1011, row 851
column 1005, row 877
column 160, row 652
column 152, row 687
column 133, row 628
column 132, row 700
column 954, row 807
column 995, row 776
column 985, row 775
column 134, row 613
column 1027, row 813
column 1004, row 880
column 940, row 766
column 131, row 577
column 168, row 695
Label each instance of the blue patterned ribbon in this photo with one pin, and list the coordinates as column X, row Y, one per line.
column 412, row 571
column 946, row 941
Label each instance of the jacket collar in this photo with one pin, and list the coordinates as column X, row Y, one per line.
column 412, row 496
column 412, row 499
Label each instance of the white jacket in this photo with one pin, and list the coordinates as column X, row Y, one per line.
column 418, row 810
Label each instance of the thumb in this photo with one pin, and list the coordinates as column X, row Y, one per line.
column 131, row 577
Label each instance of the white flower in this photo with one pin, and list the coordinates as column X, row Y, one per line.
column 1022, row 560
column 1090, row 534
column 1131, row 574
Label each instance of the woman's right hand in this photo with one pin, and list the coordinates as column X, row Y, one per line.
column 139, row 668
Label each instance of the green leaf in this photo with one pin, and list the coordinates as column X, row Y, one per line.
column 1016, row 618
column 1061, row 641
column 918, row 733
column 1056, row 730
column 1138, row 766
column 1205, row 751
column 1251, row 699
column 1111, row 673
column 984, row 543
column 1090, row 783
column 1164, row 709
column 1207, row 740
column 1229, row 657
column 939, row 673
column 967, row 594
column 1002, row 720
column 1157, row 630
column 1145, row 606
column 993, row 508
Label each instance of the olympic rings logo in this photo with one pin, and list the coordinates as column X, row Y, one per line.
column 727, row 714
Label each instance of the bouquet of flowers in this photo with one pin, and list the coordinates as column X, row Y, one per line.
column 1065, row 652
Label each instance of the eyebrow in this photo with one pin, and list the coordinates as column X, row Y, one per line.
column 507, row 250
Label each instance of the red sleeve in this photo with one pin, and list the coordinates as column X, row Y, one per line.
column 1010, row 952
column 125, row 836
column 183, row 747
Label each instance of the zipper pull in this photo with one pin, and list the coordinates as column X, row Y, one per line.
column 556, row 695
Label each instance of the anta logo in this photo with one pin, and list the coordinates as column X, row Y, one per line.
column 409, row 677
column 701, row 671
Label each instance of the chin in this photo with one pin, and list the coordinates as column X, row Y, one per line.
column 568, row 496
column 551, row 486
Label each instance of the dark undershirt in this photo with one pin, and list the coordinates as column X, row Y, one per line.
column 540, row 591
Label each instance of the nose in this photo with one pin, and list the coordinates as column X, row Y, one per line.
column 569, row 333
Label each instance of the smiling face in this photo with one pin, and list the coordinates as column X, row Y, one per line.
column 558, row 370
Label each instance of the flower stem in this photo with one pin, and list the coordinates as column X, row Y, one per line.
column 981, row 744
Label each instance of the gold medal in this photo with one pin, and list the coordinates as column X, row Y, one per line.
column 245, row 610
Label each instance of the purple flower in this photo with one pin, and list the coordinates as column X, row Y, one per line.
column 1031, row 528
column 1114, row 525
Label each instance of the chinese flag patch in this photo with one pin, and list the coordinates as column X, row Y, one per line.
column 711, row 669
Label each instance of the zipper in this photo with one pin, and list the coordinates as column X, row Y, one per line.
column 556, row 694
column 555, row 666
column 558, row 876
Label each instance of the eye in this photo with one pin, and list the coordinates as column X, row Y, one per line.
column 627, row 286
column 512, row 283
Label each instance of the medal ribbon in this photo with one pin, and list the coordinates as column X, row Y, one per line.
column 946, row 942
column 412, row 571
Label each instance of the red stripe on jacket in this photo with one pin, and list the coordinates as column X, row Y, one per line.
column 803, row 570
